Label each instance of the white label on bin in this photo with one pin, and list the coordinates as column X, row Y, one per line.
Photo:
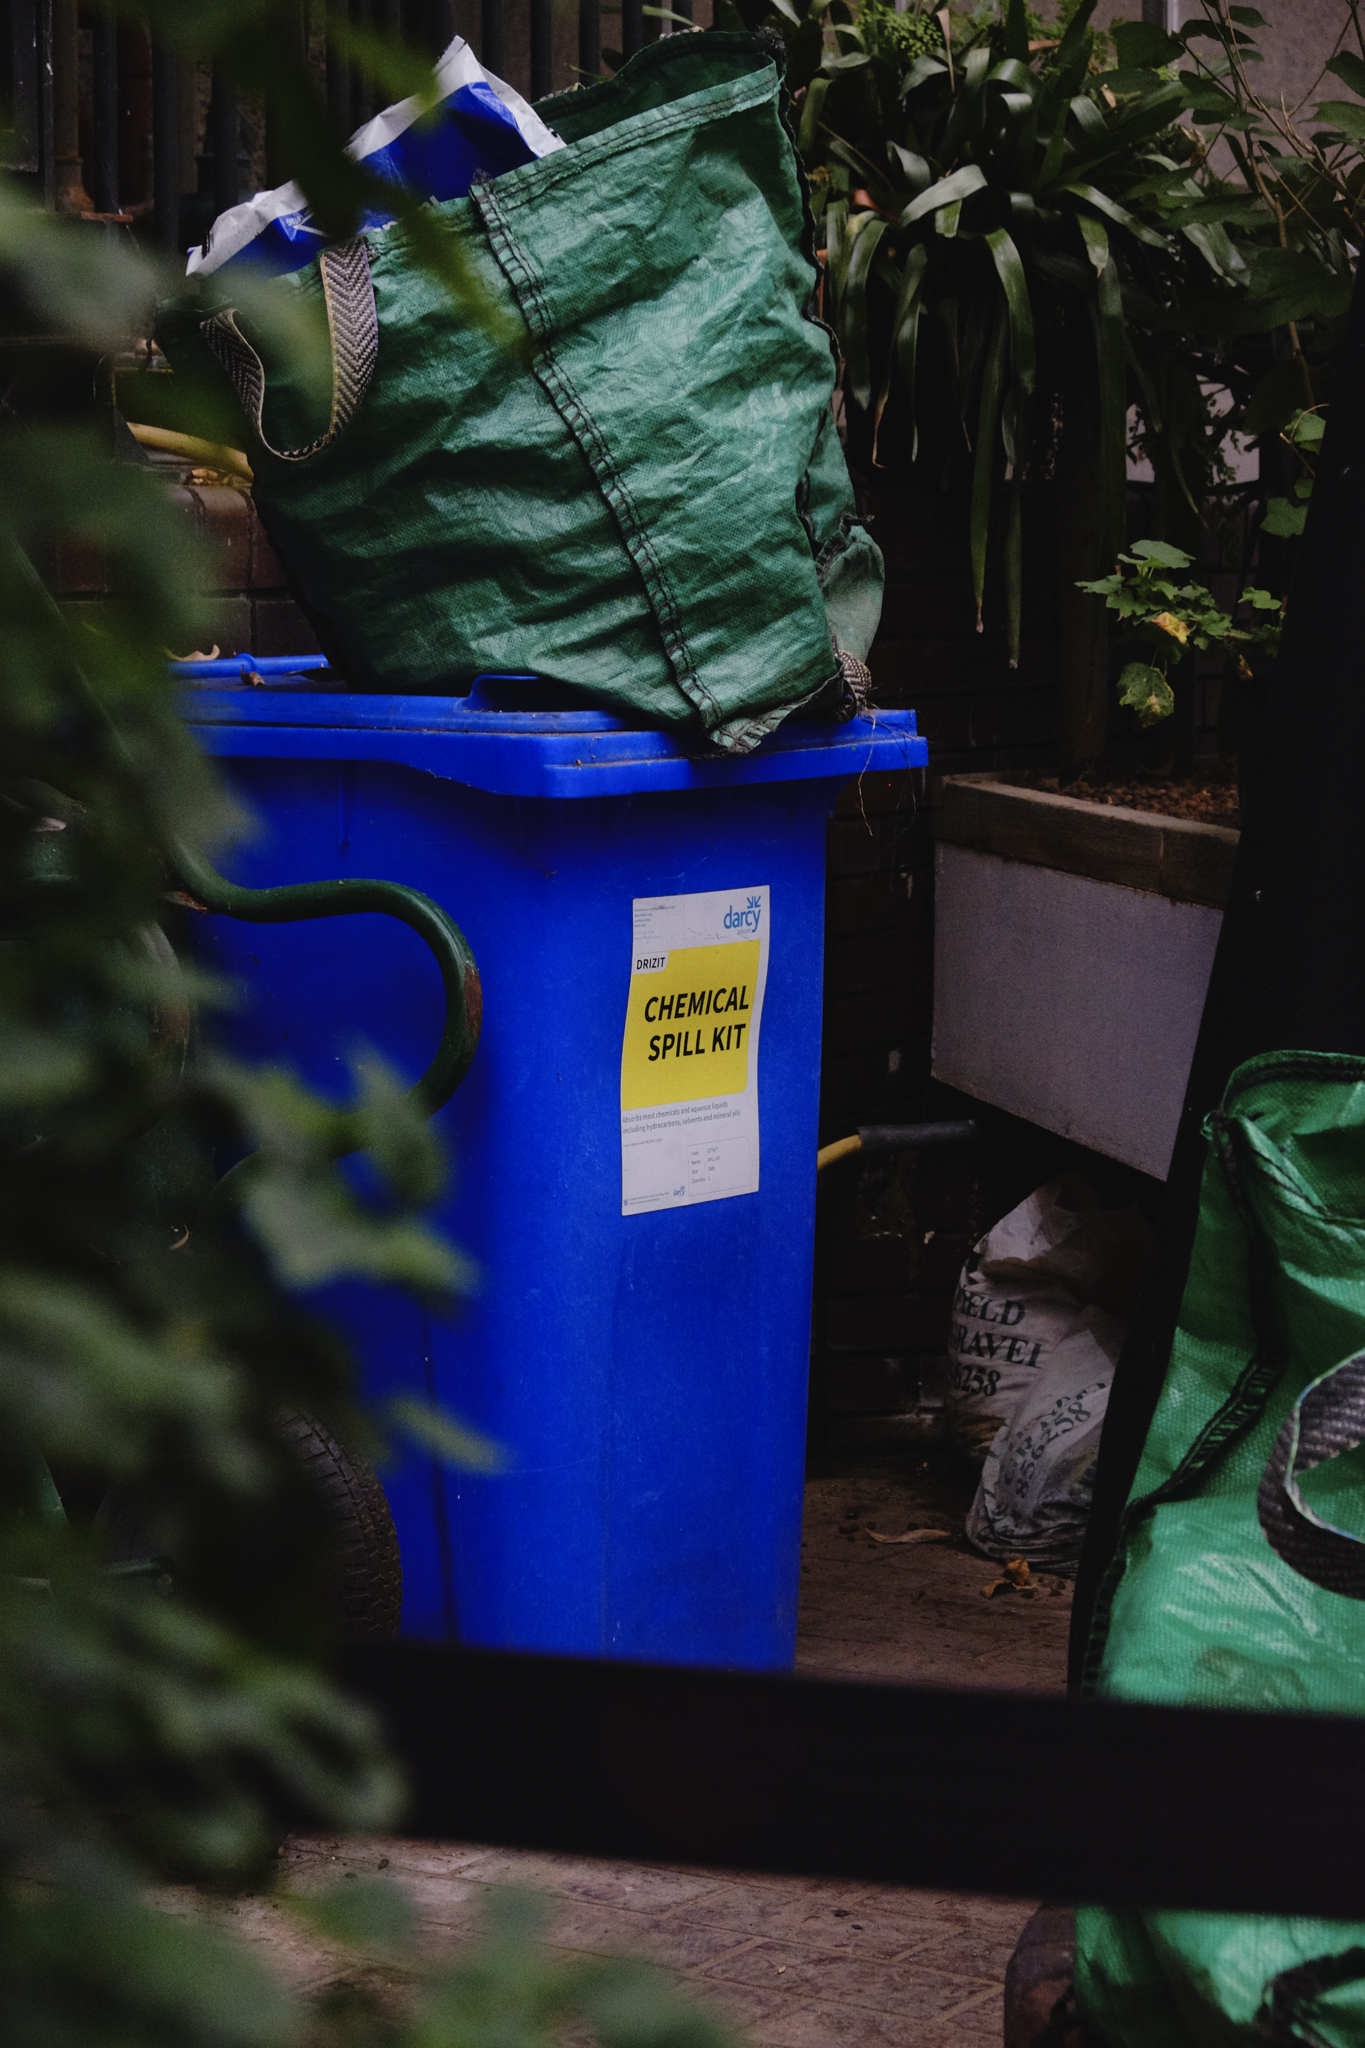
column 689, row 1059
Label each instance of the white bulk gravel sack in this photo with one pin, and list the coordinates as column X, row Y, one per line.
column 1027, row 1285
column 1038, row 1479
column 1039, row 1475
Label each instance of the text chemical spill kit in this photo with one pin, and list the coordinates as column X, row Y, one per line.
column 689, row 1063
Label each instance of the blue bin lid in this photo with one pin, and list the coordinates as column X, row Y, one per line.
column 516, row 751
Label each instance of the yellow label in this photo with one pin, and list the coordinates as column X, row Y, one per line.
column 687, row 1027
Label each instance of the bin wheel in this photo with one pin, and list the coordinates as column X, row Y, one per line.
column 369, row 1584
column 370, row 1574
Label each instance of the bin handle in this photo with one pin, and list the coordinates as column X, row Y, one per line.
column 294, row 902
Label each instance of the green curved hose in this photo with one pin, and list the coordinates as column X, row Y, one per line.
column 297, row 901
column 294, row 902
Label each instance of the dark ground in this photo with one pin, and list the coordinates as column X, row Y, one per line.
column 795, row 1961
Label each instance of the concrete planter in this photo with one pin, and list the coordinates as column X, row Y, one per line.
column 1072, row 949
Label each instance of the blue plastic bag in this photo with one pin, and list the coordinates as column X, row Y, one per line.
column 479, row 128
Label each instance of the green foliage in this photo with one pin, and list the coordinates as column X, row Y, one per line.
column 893, row 38
column 140, row 1352
column 173, row 1715
column 1174, row 619
column 1026, row 238
column 1145, row 690
column 1285, row 517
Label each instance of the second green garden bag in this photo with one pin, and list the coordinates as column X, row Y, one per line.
column 648, row 501
column 1239, row 1578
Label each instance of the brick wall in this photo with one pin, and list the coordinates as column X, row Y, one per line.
column 245, row 607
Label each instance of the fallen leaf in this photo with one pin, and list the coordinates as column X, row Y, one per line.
column 1016, row 1579
column 912, row 1536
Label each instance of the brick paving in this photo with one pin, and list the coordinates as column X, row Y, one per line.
column 795, row 1962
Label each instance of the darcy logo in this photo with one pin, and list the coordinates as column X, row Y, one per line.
column 745, row 920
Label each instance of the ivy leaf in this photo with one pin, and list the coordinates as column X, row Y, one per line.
column 1307, row 430
column 1162, row 553
column 1145, row 690
column 1284, row 520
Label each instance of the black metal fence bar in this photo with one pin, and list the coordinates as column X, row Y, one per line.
column 104, row 94
column 295, row 34
column 166, row 145
column 589, row 39
column 504, row 43
column 1042, row 1798
column 224, row 140
column 338, row 75
column 542, row 47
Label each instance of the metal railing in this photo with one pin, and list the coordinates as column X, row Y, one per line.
column 104, row 131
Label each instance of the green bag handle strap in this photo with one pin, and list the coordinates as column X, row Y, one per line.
column 1327, row 1419
column 353, row 328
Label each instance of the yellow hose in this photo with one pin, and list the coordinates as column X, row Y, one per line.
column 840, row 1149
column 204, row 454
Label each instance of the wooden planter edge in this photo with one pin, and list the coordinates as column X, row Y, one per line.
column 1173, row 857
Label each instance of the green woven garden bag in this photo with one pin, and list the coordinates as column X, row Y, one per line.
column 1239, row 1577
column 649, row 502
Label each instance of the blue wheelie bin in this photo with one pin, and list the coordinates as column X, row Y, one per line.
column 633, row 1148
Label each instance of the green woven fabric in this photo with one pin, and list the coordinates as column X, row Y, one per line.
column 1198, row 1609
column 655, row 510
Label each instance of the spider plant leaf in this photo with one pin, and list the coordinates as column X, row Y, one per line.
column 1111, row 341
column 836, row 249
column 1213, row 244
column 1055, row 154
column 1010, row 270
column 1077, row 38
column 947, row 220
column 1096, row 240
column 920, row 72
column 1070, row 67
column 1119, row 214
column 914, row 166
column 807, row 133
column 958, row 185
column 1014, row 570
column 1017, row 107
column 1090, row 121
column 900, row 357
column 1014, row 76
column 966, row 103
column 1016, row 32
column 984, row 455
column 865, row 234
